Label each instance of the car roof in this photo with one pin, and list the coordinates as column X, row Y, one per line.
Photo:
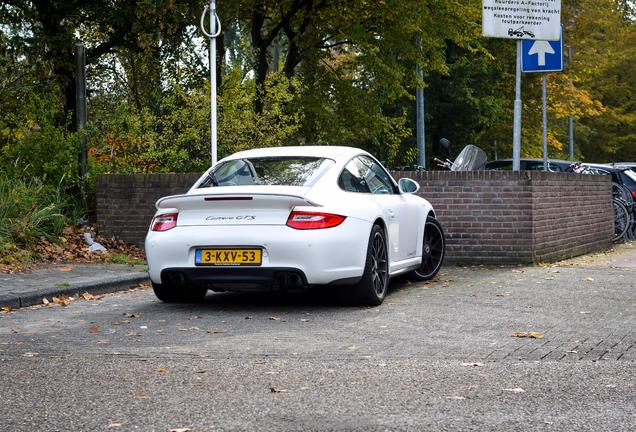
column 603, row 166
column 532, row 160
column 329, row 152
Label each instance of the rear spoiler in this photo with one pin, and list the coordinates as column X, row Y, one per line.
column 166, row 202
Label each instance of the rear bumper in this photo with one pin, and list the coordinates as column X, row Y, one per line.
column 320, row 256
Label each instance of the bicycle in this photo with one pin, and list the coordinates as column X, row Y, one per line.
column 624, row 212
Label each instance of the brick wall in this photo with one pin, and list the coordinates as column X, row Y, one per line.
column 501, row 217
column 491, row 217
column 571, row 214
column 126, row 202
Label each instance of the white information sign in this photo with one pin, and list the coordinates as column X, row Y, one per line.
column 522, row 19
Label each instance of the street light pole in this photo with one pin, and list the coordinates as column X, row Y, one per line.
column 215, row 30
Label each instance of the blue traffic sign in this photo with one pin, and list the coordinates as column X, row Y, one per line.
column 542, row 56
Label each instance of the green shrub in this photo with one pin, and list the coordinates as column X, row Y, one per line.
column 29, row 210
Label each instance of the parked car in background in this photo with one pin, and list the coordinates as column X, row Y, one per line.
column 622, row 175
column 528, row 164
column 291, row 217
column 631, row 165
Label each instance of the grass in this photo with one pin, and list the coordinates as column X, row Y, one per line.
column 122, row 258
column 29, row 210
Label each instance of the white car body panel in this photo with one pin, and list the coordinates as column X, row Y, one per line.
column 256, row 215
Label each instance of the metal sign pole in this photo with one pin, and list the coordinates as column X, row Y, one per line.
column 215, row 30
column 419, row 96
column 516, row 133
column 419, row 114
column 570, row 119
column 545, row 121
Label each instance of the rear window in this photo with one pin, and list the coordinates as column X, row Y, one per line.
column 270, row 171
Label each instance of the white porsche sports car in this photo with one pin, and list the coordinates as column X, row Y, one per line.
column 293, row 217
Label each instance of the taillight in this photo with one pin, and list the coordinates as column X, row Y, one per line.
column 634, row 194
column 164, row 222
column 313, row 220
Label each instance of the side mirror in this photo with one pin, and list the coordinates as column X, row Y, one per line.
column 408, row 186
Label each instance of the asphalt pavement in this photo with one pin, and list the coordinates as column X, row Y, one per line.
column 526, row 348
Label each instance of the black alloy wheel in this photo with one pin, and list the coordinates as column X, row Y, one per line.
column 374, row 284
column 380, row 266
column 433, row 251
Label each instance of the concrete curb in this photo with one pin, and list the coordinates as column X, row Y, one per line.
column 105, row 285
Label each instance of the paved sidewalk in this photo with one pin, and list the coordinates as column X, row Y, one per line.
column 27, row 289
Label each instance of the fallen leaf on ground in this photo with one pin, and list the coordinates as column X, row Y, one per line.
column 62, row 300
column 87, row 296
column 275, row 390
column 503, row 294
column 472, row 364
column 455, row 397
column 180, row 430
column 114, row 425
column 274, row 318
column 132, row 314
column 30, row 354
column 304, row 320
column 530, row 334
column 195, row 317
column 6, row 309
column 216, row 330
column 66, row 269
column 589, row 279
column 94, row 329
column 514, row 390
column 518, row 270
column 103, row 341
column 248, row 317
column 45, row 301
column 161, row 370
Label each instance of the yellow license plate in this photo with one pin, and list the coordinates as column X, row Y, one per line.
column 229, row 257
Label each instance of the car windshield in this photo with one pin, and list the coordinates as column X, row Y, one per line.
column 631, row 174
column 271, row 171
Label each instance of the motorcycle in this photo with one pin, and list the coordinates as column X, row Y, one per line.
column 471, row 158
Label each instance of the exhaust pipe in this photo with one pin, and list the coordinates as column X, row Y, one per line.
column 288, row 280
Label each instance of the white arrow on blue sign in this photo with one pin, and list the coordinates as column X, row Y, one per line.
column 542, row 56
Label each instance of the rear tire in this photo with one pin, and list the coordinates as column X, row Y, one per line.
column 433, row 251
column 372, row 288
column 181, row 294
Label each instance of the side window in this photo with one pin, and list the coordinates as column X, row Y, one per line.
column 499, row 166
column 377, row 179
column 352, row 178
column 364, row 175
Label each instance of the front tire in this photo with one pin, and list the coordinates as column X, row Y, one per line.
column 372, row 288
column 179, row 294
column 433, row 251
